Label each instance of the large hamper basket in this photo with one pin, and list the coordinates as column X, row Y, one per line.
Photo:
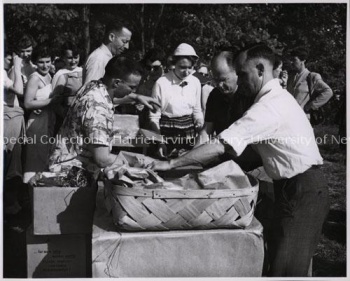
column 161, row 209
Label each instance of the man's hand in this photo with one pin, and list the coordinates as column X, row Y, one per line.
column 159, row 165
column 198, row 126
column 307, row 108
column 162, row 151
column 284, row 78
column 149, row 102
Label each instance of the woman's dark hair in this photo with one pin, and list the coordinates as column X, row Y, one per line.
column 69, row 46
column 25, row 42
column 122, row 67
column 154, row 54
column 41, row 52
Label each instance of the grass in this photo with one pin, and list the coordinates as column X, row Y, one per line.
column 330, row 256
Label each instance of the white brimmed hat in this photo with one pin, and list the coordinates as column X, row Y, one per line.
column 185, row 50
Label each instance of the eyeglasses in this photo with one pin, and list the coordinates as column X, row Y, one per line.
column 153, row 67
column 204, row 74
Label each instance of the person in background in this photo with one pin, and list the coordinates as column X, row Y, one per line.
column 169, row 64
column 8, row 59
column 38, row 100
column 202, row 73
column 226, row 105
column 115, row 41
column 310, row 96
column 67, row 81
column 180, row 115
column 203, row 70
column 59, row 63
column 300, row 189
column 13, row 132
column 85, row 137
column 279, row 73
column 24, row 48
column 152, row 64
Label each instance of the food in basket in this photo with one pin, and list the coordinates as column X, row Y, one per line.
column 76, row 177
column 194, row 201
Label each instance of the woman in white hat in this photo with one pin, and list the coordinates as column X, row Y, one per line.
column 180, row 116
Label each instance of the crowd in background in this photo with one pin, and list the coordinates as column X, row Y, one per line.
column 41, row 86
column 184, row 99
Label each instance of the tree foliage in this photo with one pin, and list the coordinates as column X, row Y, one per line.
column 208, row 27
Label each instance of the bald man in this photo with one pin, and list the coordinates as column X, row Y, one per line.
column 280, row 132
column 225, row 106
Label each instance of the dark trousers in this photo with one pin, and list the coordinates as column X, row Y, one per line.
column 301, row 206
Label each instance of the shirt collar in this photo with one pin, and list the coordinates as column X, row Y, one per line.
column 270, row 85
column 302, row 73
column 106, row 50
column 177, row 80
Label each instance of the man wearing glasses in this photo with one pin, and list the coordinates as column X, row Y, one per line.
column 116, row 41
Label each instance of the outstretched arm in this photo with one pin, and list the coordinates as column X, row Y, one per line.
column 203, row 155
column 149, row 102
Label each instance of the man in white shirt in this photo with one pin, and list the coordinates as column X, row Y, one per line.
column 116, row 41
column 279, row 130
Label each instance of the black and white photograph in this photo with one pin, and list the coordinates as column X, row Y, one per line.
column 181, row 140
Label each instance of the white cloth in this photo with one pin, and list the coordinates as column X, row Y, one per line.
column 62, row 72
column 175, row 100
column 280, row 132
column 94, row 68
column 44, row 92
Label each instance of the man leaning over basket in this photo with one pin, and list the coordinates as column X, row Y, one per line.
column 279, row 130
column 84, row 140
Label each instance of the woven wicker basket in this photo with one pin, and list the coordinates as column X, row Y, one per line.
column 161, row 209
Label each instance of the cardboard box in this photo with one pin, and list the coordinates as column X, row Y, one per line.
column 63, row 210
column 58, row 256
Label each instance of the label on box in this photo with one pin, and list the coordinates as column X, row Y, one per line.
column 56, row 256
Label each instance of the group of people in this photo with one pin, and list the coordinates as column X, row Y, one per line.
column 234, row 111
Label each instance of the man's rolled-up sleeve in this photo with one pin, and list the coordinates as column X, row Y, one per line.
column 258, row 124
